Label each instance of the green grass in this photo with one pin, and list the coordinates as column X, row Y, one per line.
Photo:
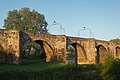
column 32, row 64
column 36, row 69
column 29, row 65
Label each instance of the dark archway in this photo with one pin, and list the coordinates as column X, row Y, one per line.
column 2, row 54
column 71, row 55
column 80, row 54
column 101, row 54
column 47, row 51
column 118, row 52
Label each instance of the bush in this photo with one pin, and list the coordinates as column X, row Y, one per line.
column 110, row 70
column 68, row 72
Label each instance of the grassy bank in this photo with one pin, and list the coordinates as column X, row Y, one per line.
column 35, row 69
column 68, row 72
column 30, row 65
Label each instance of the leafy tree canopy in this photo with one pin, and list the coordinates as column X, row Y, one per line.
column 117, row 40
column 26, row 20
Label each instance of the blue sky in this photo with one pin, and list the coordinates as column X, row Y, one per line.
column 102, row 17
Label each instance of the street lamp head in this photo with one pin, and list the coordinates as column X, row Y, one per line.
column 84, row 27
column 54, row 22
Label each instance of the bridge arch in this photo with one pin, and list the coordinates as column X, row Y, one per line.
column 70, row 55
column 101, row 54
column 80, row 54
column 118, row 52
column 2, row 54
column 48, row 51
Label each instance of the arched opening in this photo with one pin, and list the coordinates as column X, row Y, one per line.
column 2, row 54
column 101, row 54
column 40, row 49
column 47, row 50
column 79, row 53
column 70, row 55
column 118, row 52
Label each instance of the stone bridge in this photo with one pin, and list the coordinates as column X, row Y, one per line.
column 86, row 50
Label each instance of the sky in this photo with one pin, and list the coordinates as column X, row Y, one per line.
column 101, row 18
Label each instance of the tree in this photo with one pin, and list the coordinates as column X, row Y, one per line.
column 26, row 20
column 117, row 40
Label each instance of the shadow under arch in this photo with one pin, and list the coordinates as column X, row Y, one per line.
column 2, row 54
column 7, row 57
column 80, row 54
column 117, row 52
column 70, row 55
column 101, row 54
column 47, row 49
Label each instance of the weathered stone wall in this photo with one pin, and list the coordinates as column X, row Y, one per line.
column 110, row 48
column 87, row 46
column 24, row 41
column 88, row 50
column 9, row 46
column 55, row 45
column 93, row 50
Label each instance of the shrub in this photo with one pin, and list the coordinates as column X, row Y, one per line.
column 110, row 70
column 68, row 72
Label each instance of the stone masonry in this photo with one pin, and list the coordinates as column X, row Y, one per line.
column 88, row 50
column 9, row 46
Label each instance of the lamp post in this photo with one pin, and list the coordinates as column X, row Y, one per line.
column 84, row 28
column 61, row 28
column 63, row 31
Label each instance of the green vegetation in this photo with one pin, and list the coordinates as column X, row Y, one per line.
column 70, row 52
column 36, row 69
column 29, row 65
column 34, row 49
column 110, row 70
column 26, row 20
column 117, row 40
